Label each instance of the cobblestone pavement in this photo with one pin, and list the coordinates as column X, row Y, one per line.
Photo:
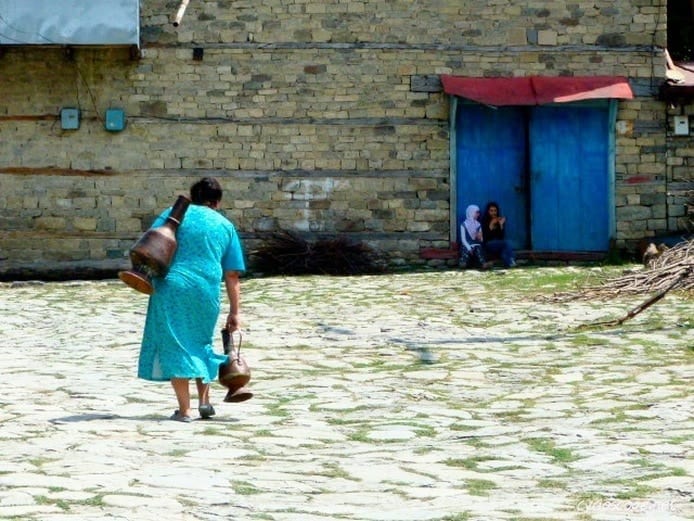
column 420, row 396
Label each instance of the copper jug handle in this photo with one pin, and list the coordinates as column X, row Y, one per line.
column 228, row 342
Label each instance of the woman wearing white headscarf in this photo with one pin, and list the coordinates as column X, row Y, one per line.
column 471, row 254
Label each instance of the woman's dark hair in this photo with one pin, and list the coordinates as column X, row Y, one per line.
column 490, row 204
column 207, row 190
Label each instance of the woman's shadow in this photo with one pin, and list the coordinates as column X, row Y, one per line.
column 87, row 417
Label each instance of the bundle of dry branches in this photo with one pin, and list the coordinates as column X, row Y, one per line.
column 286, row 253
column 672, row 269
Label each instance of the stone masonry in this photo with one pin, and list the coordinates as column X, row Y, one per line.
column 321, row 117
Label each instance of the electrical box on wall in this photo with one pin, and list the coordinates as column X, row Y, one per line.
column 69, row 119
column 115, row 120
column 681, row 124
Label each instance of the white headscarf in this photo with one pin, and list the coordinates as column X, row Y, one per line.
column 472, row 225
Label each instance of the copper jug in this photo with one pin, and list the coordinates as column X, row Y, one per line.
column 236, row 374
column 152, row 254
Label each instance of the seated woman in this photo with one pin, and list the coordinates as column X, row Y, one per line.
column 471, row 254
column 494, row 233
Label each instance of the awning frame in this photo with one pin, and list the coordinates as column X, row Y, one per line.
column 537, row 90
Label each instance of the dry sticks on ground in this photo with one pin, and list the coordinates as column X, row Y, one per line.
column 287, row 253
column 673, row 269
column 673, row 266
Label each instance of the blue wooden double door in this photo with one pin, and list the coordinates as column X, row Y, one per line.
column 550, row 168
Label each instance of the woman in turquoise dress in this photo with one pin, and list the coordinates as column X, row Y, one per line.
column 182, row 313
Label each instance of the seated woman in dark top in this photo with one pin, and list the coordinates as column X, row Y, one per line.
column 493, row 233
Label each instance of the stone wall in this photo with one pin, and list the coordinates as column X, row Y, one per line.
column 323, row 117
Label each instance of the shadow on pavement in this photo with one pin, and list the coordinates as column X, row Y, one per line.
column 149, row 417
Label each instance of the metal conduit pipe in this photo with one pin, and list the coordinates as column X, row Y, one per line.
column 179, row 14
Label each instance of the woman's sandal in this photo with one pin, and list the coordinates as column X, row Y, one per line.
column 206, row 411
column 177, row 416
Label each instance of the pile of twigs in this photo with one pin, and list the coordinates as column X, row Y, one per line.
column 286, row 253
column 673, row 269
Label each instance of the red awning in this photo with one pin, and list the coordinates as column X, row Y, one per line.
column 536, row 90
column 491, row 91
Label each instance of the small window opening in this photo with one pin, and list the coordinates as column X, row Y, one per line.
column 680, row 30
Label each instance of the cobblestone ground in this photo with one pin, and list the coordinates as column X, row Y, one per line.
column 426, row 396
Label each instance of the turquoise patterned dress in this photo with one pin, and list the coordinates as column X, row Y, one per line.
column 183, row 310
